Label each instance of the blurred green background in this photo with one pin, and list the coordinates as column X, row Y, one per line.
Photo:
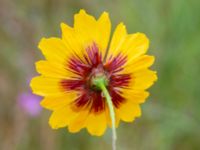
column 171, row 115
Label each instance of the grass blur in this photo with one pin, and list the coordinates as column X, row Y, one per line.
column 170, row 119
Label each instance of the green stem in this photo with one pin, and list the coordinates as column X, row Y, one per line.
column 112, row 114
column 101, row 84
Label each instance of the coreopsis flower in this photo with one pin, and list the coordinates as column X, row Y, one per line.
column 86, row 81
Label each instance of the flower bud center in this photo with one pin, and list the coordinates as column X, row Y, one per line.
column 98, row 77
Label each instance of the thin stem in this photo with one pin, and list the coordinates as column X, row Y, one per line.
column 112, row 113
column 100, row 82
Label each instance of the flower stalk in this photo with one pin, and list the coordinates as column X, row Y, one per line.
column 101, row 82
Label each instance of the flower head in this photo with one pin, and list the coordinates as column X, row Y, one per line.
column 75, row 63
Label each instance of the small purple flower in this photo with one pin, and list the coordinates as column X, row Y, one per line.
column 29, row 103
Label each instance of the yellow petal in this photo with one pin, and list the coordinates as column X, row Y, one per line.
column 96, row 124
column 104, row 29
column 78, row 122
column 135, row 96
column 143, row 79
column 129, row 45
column 117, row 40
column 61, row 117
column 140, row 63
column 54, row 50
column 134, row 46
column 54, row 103
column 44, row 86
column 128, row 111
column 72, row 40
column 53, row 69
column 92, row 31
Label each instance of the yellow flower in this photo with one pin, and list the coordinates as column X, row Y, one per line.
column 72, row 64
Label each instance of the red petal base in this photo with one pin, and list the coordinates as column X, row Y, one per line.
column 91, row 66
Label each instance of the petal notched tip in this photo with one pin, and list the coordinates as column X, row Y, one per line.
column 41, row 42
column 121, row 27
column 96, row 132
column 121, row 24
column 65, row 26
column 34, row 86
column 144, row 38
column 104, row 19
column 83, row 14
column 82, row 11
column 32, row 83
column 104, row 15
column 52, row 124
